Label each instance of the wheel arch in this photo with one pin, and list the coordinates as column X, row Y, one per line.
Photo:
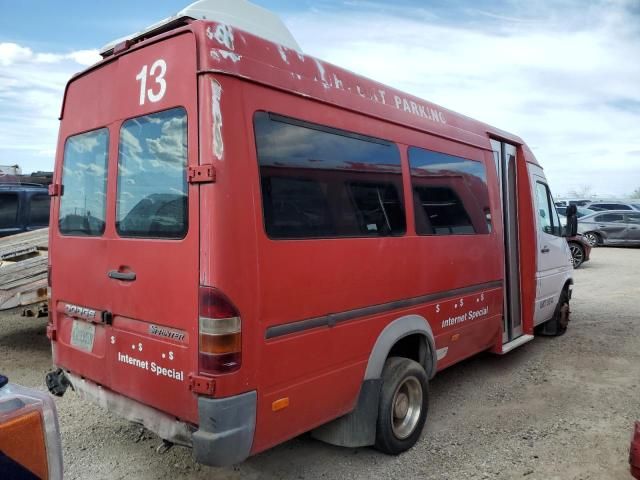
column 401, row 329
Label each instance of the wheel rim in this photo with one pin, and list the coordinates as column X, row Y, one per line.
column 592, row 239
column 406, row 407
column 576, row 255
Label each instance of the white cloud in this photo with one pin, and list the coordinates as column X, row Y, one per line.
column 11, row 52
column 31, row 89
column 562, row 75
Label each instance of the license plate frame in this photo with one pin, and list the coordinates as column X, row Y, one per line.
column 83, row 335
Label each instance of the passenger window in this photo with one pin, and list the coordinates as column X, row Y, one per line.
column 84, row 178
column 152, row 176
column 610, row 218
column 8, row 210
column 633, row 218
column 549, row 220
column 39, row 210
column 320, row 182
column 450, row 194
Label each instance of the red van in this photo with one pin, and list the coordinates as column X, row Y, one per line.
column 248, row 243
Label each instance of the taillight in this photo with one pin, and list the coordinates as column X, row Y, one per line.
column 220, row 334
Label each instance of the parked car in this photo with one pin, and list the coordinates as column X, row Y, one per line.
column 580, row 250
column 614, row 227
column 23, row 207
column 581, row 212
column 613, row 205
column 578, row 202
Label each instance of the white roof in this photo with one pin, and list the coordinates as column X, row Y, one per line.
column 237, row 13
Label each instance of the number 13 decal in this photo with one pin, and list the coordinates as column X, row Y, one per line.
column 157, row 72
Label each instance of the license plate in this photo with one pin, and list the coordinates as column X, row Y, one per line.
column 82, row 335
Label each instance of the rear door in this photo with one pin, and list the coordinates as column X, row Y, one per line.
column 612, row 226
column 633, row 228
column 124, row 249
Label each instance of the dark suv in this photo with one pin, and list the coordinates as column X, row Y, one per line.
column 23, row 207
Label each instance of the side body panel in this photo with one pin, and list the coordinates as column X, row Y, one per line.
column 321, row 369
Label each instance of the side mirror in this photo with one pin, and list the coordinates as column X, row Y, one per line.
column 572, row 221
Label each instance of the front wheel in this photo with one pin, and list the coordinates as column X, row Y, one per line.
column 558, row 324
column 577, row 254
column 592, row 238
column 403, row 405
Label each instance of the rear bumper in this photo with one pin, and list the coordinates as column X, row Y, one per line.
column 227, row 426
column 226, row 430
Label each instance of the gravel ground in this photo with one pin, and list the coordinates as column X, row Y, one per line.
column 556, row 408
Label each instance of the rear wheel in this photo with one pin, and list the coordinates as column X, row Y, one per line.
column 403, row 405
column 593, row 238
column 577, row 254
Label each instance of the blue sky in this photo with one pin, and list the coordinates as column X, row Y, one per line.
column 562, row 74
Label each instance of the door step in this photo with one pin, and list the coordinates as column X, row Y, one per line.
column 521, row 340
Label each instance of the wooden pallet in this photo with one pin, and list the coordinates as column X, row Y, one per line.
column 23, row 271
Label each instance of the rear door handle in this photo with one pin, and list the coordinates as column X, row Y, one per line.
column 545, row 249
column 124, row 276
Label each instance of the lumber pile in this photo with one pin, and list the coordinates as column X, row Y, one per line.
column 23, row 271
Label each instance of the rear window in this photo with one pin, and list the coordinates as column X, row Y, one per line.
column 318, row 181
column 152, row 176
column 8, row 210
column 84, row 178
column 39, row 210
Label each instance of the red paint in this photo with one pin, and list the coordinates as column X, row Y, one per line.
column 634, row 452
column 270, row 282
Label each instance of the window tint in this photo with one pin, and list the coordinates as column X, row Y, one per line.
column 39, row 210
column 84, row 177
column 610, row 206
column 322, row 182
column 610, row 217
column 152, row 176
column 8, row 210
column 450, row 194
column 633, row 218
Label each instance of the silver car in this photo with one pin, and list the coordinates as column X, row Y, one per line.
column 613, row 227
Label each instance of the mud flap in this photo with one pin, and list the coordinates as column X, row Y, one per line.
column 357, row 428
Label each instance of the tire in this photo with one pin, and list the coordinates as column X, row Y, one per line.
column 592, row 238
column 558, row 324
column 577, row 254
column 404, row 401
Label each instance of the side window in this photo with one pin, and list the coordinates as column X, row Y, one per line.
column 39, row 210
column 8, row 210
column 544, row 209
column 610, row 218
column 547, row 214
column 450, row 194
column 633, row 218
column 320, row 182
column 84, row 177
column 152, row 176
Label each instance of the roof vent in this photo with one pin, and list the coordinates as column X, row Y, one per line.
column 237, row 13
